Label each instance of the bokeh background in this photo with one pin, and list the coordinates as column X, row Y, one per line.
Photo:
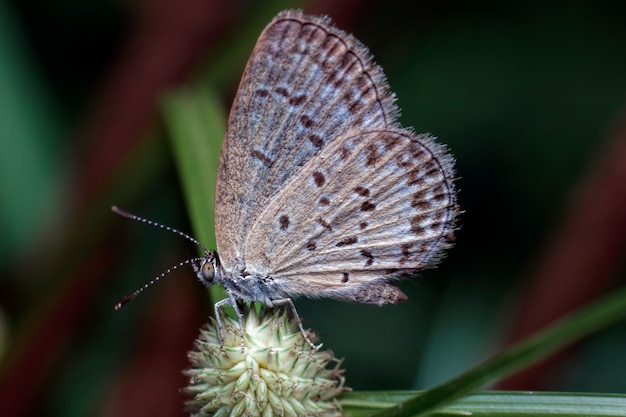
column 529, row 96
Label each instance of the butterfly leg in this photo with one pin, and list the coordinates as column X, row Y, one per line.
column 296, row 317
column 231, row 300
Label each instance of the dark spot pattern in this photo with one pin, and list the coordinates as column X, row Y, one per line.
column 345, row 153
column 368, row 256
column 431, row 170
column 372, row 155
column 440, row 194
column 324, row 224
column 261, row 92
column 415, row 177
column 351, row 240
column 282, row 91
column 416, row 225
column 420, row 201
column 261, row 157
column 419, row 153
column 362, row 82
column 404, row 164
column 327, row 48
column 336, row 78
column 284, row 222
column 319, row 178
column 421, row 217
column 363, row 225
column 298, row 100
column 367, row 206
column 324, row 201
column 316, row 141
column 311, row 246
column 391, row 141
column 306, row 121
column 356, row 106
column 345, row 277
column 362, row 191
column 406, row 252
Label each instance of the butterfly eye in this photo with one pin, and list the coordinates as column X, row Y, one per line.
column 208, row 272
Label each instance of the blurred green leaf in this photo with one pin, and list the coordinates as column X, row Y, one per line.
column 30, row 137
column 573, row 327
column 495, row 403
column 196, row 121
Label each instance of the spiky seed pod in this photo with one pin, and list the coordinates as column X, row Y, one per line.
column 275, row 373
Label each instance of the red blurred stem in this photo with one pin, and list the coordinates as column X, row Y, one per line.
column 171, row 38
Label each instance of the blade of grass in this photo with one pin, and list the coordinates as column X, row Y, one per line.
column 196, row 123
column 598, row 315
column 496, row 403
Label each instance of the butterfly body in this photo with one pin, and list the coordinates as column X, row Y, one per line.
column 240, row 285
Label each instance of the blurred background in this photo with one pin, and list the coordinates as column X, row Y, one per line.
column 530, row 98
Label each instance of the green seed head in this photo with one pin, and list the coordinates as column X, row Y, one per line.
column 275, row 373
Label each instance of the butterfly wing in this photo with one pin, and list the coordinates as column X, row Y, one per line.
column 306, row 85
column 368, row 208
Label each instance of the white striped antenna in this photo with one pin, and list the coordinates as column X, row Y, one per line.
column 138, row 291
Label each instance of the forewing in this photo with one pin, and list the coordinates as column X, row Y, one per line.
column 306, row 84
column 366, row 209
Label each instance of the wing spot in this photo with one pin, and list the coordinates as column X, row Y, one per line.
column 416, row 225
column 406, row 252
column 441, row 195
column 284, row 222
column 351, row 240
column 353, row 102
column 356, row 106
column 324, row 201
column 345, row 152
column 368, row 256
column 367, row 206
column 363, row 225
column 415, row 177
column 345, row 277
column 420, row 202
column 306, row 121
column 391, row 141
column 420, row 154
column 261, row 157
column 298, row 100
column 372, row 155
column 362, row 191
column 319, row 178
column 311, row 246
column 362, row 82
column 335, row 78
column 261, row 92
column 282, row 91
column 324, row 224
column 316, row 141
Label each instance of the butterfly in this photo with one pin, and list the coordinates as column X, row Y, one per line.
column 320, row 192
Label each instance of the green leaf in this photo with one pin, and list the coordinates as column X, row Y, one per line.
column 196, row 122
column 569, row 329
column 494, row 403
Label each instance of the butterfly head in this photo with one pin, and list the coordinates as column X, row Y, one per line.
column 207, row 268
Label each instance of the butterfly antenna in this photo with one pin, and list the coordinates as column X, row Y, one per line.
column 134, row 294
column 131, row 216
